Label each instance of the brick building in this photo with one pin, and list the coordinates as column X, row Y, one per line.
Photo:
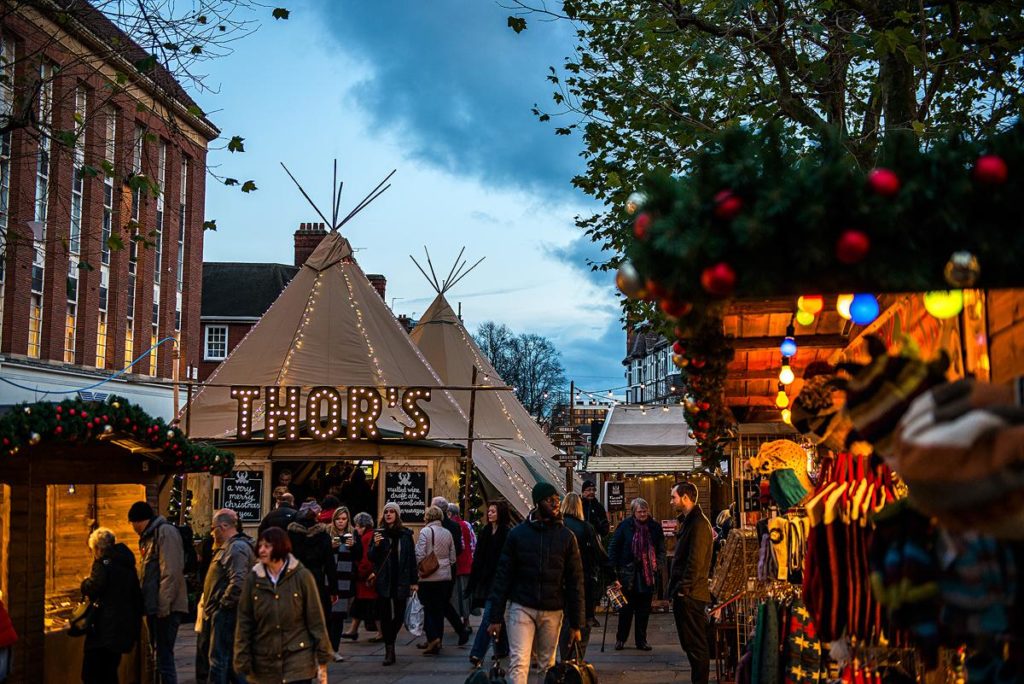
column 236, row 295
column 87, row 136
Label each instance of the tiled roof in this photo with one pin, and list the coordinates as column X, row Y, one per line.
column 242, row 289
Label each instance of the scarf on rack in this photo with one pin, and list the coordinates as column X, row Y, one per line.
column 643, row 551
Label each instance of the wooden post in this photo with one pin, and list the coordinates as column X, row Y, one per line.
column 188, row 408
column 469, row 446
column 26, row 565
column 572, row 457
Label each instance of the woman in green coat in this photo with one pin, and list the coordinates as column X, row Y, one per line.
column 281, row 635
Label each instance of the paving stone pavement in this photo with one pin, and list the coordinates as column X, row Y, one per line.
column 666, row 663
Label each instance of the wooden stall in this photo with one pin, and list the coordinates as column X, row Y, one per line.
column 56, row 490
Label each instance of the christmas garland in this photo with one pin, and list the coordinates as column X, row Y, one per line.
column 764, row 214
column 77, row 421
column 703, row 357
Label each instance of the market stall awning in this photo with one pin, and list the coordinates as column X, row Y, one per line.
column 638, row 440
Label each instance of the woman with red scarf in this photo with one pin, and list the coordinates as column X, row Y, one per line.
column 637, row 551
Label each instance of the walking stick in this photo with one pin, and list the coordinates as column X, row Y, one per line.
column 607, row 609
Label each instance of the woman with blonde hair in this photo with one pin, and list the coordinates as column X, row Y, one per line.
column 345, row 544
column 113, row 587
column 594, row 560
column 435, row 584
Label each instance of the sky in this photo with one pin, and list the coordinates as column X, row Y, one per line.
column 442, row 91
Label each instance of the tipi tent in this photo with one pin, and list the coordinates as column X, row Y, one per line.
column 503, row 423
column 330, row 327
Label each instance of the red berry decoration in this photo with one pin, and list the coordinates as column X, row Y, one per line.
column 990, row 169
column 675, row 308
column 59, row 409
column 728, row 205
column 704, row 406
column 698, row 363
column 703, row 424
column 718, row 280
column 57, row 430
column 678, row 348
column 884, row 182
column 852, row 246
column 640, row 225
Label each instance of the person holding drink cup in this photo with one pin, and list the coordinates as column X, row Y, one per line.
column 394, row 574
column 347, row 551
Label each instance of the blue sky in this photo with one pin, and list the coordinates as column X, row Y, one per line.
column 442, row 91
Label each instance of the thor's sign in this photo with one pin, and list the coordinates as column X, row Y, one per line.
column 323, row 411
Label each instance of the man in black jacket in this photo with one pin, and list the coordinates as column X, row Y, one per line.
column 688, row 584
column 593, row 510
column 540, row 576
column 232, row 561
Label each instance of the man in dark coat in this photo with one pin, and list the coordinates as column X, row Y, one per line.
column 282, row 516
column 231, row 564
column 688, row 584
column 593, row 510
column 540, row 577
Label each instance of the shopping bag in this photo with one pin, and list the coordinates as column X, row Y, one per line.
column 496, row 675
column 414, row 616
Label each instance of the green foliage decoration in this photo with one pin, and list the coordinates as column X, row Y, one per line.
column 797, row 200
column 30, row 425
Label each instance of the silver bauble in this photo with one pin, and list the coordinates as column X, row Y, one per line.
column 34, row 438
column 629, row 282
column 962, row 270
column 635, row 202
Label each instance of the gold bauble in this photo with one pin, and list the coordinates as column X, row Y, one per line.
column 629, row 282
column 962, row 270
column 680, row 361
column 34, row 438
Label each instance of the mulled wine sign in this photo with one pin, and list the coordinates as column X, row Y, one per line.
column 242, row 492
column 408, row 489
column 615, row 496
column 364, row 405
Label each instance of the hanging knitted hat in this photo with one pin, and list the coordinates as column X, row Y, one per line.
column 786, row 488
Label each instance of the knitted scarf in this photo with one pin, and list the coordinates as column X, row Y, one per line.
column 643, row 551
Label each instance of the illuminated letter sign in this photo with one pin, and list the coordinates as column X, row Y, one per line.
column 276, row 411
column 363, row 411
column 314, row 416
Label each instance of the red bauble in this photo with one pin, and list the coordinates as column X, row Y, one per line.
column 675, row 308
column 72, row 411
column 57, row 430
column 698, row 363
column 703, row 424
column 84, row 415
column 852, row 246
column 59, row 409
column 990, row 169
column 678, row 348
column 728, row 205
column 640, row 225
column 884, row 182
column 718, row 280
column 700, row 450
column 654, row 289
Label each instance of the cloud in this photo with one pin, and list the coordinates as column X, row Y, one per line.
column 581, row 254
column 595, row 364
column 460, row 85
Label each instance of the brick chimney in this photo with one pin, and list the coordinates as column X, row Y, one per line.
column 380, row 284
column 307, row 238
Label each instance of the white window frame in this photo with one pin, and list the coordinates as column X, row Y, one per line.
column 207, row 356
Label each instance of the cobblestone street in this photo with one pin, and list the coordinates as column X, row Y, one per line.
column 666, row 663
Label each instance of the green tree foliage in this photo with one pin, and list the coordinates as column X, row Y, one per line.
column 650, row 83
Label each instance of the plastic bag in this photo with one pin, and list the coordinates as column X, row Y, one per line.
column 414, row 616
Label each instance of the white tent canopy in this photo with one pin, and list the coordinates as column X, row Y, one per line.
column 503, row 424
column 649, row 439
column 330, row 327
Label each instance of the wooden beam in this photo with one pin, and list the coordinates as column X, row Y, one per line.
column 774, row 305
column 750, row 401
column 802, row 342
column 741, row 375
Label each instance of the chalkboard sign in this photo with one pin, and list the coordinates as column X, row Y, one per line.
column 408, row 489
column 615, row 496
column 242, row 492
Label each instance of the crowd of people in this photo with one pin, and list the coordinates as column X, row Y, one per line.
column 280, row 607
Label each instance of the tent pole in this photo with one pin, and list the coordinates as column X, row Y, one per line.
column 569, row 461
column 469, row 445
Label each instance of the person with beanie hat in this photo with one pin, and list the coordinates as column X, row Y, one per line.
column 540, row 578
column 593, row 511
column 162, row 576
column 394, row 576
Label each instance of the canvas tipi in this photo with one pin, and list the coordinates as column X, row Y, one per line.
column 501, row 421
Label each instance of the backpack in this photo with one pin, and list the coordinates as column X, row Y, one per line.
column 188, row 538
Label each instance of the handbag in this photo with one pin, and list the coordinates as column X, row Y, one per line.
column 82, row 618
column 496, row 675
column 429, row 565
column 572, row 671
